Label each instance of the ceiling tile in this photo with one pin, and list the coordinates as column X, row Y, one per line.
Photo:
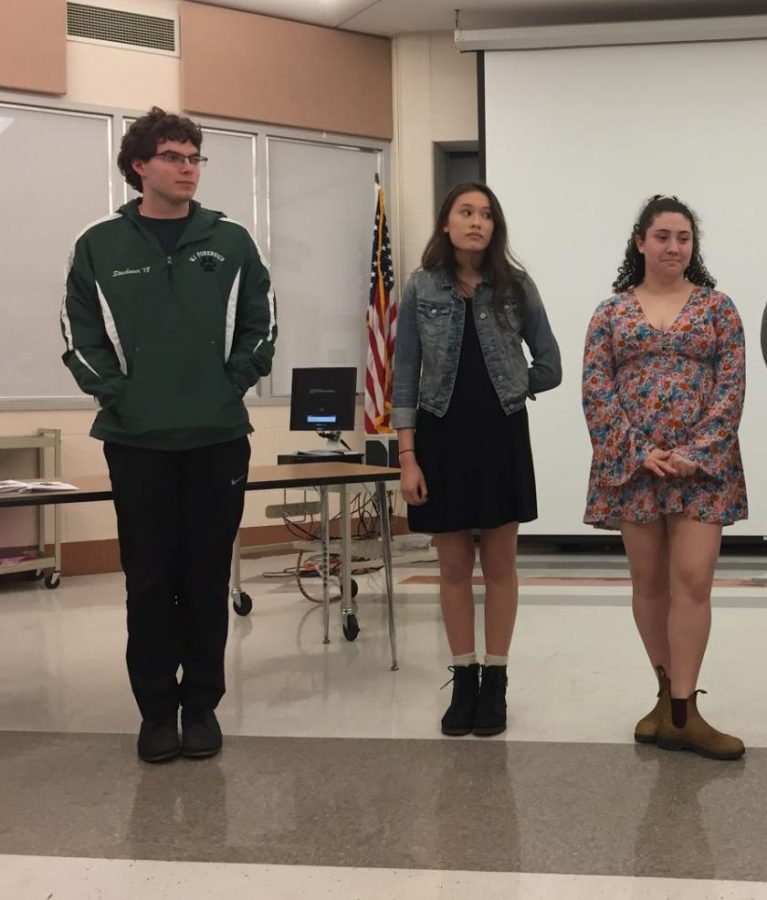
column 316, row 12
column 395, row 16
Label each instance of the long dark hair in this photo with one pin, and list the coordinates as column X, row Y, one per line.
column 499, row 266
column 632, row 270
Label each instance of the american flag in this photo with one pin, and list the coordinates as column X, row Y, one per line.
column 381, row 323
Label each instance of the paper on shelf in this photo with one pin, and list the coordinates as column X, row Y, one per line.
column 12, row 486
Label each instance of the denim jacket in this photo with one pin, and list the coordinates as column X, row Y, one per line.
column 429, row 333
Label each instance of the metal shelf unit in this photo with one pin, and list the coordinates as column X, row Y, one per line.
column 47, row 442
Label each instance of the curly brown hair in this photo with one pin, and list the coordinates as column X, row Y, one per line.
column 631, row 271
column 141, row 139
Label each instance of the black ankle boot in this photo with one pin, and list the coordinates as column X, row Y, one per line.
column 459, row 718
column 491, row 709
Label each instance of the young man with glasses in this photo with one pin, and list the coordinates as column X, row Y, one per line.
column 169, row 318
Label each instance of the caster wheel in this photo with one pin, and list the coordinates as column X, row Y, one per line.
column 351, row 628
column 243, row 605
column 53, row 580
column 355, row 588
column 35, row 575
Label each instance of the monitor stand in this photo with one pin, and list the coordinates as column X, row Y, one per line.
column 333, row 451
column 334, row 445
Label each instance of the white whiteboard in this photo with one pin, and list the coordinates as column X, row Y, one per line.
column 576, row 139
column 55, row 171
column 321, row 208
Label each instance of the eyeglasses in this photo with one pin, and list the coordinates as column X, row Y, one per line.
column 178, row 159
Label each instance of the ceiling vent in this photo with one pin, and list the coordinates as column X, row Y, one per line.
column 120, row 28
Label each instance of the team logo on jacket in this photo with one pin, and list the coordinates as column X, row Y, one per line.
column 208, row 259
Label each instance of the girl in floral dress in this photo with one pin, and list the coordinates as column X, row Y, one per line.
column 663, row 387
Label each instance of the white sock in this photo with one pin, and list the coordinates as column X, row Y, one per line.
column 465, row 659
column 491, row 660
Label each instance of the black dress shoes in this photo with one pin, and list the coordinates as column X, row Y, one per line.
column 200, row 732
column 158, row 739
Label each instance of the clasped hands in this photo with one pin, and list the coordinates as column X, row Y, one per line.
column 668, row 462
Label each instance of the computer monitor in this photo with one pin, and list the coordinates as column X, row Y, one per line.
column 322, row 399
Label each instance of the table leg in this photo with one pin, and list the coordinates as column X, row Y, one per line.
column 236, row 587
column 347, row 603
column 325, row 566
column 383, row 512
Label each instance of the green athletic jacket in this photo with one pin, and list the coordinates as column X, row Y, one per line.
column 168, row 344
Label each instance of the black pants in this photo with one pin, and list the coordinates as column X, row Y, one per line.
column 177, row 517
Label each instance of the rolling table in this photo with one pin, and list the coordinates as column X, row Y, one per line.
column 324, row 476
column 321, row 476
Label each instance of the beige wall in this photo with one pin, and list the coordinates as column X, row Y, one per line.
column 126, row 79
column 434, row 100
column 284, row 73
column 32, row 35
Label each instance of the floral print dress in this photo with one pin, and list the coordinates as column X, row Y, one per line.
column 681, row 389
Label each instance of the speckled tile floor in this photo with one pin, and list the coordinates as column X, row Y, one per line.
column 335, row 781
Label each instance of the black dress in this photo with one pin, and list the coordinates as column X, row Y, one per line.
column 476, row 460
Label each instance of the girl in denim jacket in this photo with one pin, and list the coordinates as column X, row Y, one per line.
column 461, row 381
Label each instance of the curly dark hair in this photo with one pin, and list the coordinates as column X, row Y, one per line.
column 631, row 271
column 499, row 264
column 141, row 139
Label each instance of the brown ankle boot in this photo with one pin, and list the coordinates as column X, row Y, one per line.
column 646, row 730
column 697, row 736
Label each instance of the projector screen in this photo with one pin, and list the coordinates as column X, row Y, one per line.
column 575, row 141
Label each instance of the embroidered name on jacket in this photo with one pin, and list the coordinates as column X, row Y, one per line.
column 144, row 270
column 208, row 259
